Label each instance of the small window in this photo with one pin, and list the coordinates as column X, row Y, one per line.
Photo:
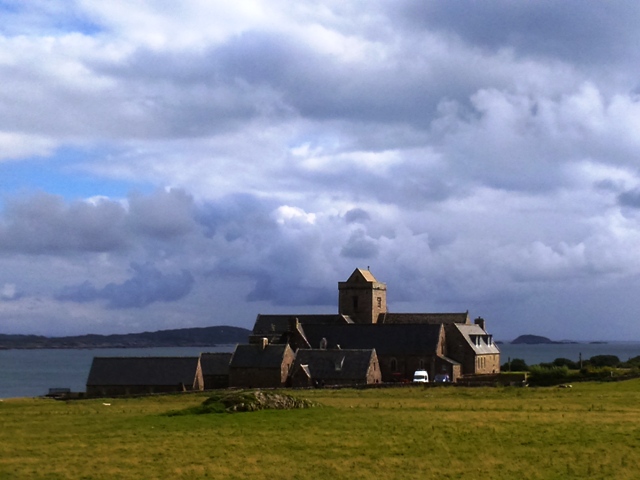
column 379, row 302
column 355, row 303
column 394, row 365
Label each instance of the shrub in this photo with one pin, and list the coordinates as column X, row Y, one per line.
column 604, row 361
column 543, row 376
column 632, row 362
column 565, row 362
column 515, row 365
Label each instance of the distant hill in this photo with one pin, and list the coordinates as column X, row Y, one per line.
column 183, row 337
column 536, row 340
column 531, row 340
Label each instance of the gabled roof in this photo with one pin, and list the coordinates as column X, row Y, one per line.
column 481, row 342
column 359, row 274
column 257, row 356
column 215, row 363
column 152, row 371
column 425, row 318
column 335, row 364
column 274, row 325
column 409, row 339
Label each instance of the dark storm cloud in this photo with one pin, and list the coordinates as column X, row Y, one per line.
column 575, row 30
column 163, row 214
column 359, row 246
column 630, row 198
column 147, row 285
column 357, row 215
column 287, row 266
column 283, row 291
column 264, row 74
column 235, row 215
column 45, row 224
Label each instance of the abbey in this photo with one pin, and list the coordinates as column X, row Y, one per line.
column 441, row 343
column 362, row 344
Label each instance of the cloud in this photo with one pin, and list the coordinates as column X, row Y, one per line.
column 44, row 224
column 359, row 246
column 479, row 156
column 163, row 214
column 9, row 292
column 576, row 31
column 147, row 285
column 357, row 215
column 630, row 198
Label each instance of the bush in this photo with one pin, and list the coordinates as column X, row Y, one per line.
column 632, row 362
column 604, row 361
column 565, row 362
column 516, row 365
column 544, row 376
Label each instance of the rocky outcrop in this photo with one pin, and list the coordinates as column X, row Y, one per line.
column 246, row 401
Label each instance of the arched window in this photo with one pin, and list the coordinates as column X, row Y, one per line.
column 394, row 365
column 421, row 364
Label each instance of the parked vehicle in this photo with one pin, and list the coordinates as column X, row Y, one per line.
column 420, row 376
column 442, row 378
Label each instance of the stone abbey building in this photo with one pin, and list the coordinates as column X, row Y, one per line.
column 403, row 342
column 362, row 344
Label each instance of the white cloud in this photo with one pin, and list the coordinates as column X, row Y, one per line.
column 470, row 167
column 293, row 215
column 14, row 146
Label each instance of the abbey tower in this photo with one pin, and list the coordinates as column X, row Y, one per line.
column 362, row 297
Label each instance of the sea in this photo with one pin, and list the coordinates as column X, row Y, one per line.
column 31, row 373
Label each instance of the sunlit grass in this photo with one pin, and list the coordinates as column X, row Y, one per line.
column 588, row 431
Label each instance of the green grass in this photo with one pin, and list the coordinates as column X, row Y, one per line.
column 589, row 431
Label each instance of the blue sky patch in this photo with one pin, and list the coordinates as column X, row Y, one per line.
column 62, row 175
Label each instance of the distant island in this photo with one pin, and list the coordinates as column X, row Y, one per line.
column 182, row 337
column 537, row 340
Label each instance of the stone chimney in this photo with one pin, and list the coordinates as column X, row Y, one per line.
column 480, row 322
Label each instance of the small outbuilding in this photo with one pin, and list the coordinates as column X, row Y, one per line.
column 260, row 365
column 214, row 369
column 317, row 368
column 114, row 376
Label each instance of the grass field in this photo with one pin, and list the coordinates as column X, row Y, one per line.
column 589, row 431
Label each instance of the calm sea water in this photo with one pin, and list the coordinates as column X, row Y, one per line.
column 533, row 354
column 30, row 373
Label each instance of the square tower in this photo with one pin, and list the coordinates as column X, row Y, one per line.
column 362, row 297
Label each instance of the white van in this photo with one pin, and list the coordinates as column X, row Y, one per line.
column 420, row 376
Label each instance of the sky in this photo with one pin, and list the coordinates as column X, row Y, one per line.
column 187, row 164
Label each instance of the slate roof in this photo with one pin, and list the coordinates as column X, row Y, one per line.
column 272, row 325
column 152, row 371
column 322, row 364
column 255, row 356
column 481, row 342
column 215, row 363
column 425, row 318
column 405, row 339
